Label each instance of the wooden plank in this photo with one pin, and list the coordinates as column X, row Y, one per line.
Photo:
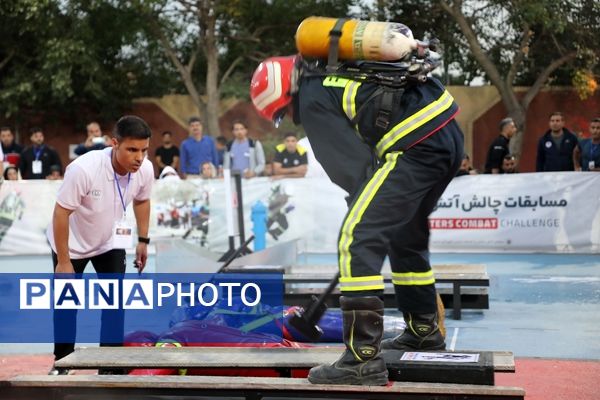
column 219, row 357
column 443, row 273
column 437, row 269
column 271, row 385
column 477, row 300
column 296, row 278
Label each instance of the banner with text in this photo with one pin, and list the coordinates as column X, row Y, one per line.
column 544, row 212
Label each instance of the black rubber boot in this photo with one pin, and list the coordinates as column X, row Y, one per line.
column 361, row 363
column 421, row 333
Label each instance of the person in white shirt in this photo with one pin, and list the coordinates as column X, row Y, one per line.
column 89, row 221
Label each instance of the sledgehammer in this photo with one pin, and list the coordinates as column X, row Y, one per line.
column 306, row 321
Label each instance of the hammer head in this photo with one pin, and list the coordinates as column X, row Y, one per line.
column 305, row 325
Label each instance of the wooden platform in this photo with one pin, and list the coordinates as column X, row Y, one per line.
column 461, row 286
column 143, row 387
column 96, row 387
column 219, row 357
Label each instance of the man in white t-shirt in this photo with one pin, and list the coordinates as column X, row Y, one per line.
column 89, row 220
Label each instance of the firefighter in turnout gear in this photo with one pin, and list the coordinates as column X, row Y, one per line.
column 394, row 149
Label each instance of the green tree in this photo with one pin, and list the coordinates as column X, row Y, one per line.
column 69, row 57
column 508, row 43
column 526, row 42
column 208, row 42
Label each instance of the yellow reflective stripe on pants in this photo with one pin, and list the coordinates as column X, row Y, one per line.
column 358, row 209
column 413, row 278
column 413, row 122
column 353, row 284
column 348, row 100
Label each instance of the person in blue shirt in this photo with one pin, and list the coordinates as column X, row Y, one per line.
column 196, row 149
column 589, row 155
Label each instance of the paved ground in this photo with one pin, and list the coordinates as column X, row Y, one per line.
column 544, row 308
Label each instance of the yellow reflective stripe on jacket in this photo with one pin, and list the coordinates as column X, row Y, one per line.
column 358, row 209
column 349, row 284
column 413, row 122
column 335, row 81
column 413, row 278
column 349, row 97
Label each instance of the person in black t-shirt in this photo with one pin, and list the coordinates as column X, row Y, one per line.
column 499, row 147
column 167, row 154
column 37, row 159
column 290, row 159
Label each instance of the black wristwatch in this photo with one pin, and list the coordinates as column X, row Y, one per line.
column 142, row 239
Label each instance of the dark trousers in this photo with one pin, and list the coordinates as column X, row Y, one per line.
column 390, row 217
column 112, row 323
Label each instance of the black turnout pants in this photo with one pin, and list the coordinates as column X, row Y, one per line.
column 389, row 216
column 112, row 323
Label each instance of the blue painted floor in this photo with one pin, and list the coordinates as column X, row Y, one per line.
column 541, row 305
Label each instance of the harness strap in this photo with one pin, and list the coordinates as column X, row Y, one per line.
column 385, row 108
column 334, row 44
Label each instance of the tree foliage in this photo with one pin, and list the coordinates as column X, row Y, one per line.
column 63, row 57
column 215, row 45
column 99, row 54
column 510, row 43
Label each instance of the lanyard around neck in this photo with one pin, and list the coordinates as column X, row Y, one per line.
column 124, row 193
column 38, row 152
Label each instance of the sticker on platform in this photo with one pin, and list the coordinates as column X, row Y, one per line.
column 440, row 357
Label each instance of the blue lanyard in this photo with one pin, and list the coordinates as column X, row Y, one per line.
column 122, row 195
column 39, row 152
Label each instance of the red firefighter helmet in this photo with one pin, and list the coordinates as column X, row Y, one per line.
column 271, row 86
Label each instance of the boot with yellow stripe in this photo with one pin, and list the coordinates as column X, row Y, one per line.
column 421, row 333
column 361, row 363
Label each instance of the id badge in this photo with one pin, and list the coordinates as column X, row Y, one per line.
column 591, row 165
column 122, row 235
column 36, row 167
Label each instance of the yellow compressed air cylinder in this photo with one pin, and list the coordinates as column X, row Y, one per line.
column 360, row 40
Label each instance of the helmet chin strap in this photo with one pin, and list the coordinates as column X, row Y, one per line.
column 279, row 118
column 296, row 74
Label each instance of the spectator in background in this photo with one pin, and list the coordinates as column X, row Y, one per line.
column 54, row 173
column 1, row 163
column 167, row 155
column 209, row 171
column 11, row 149
column 499, row 147
column 244, row 154
column 221, row 147
column 509, row 164
column 465, row 167
column 94, row 141
column 290, row 159
column 556, row 148
column 169, row 173
column 196, row 149
column 37, row 159
column 588, row 156
column 11, row 173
